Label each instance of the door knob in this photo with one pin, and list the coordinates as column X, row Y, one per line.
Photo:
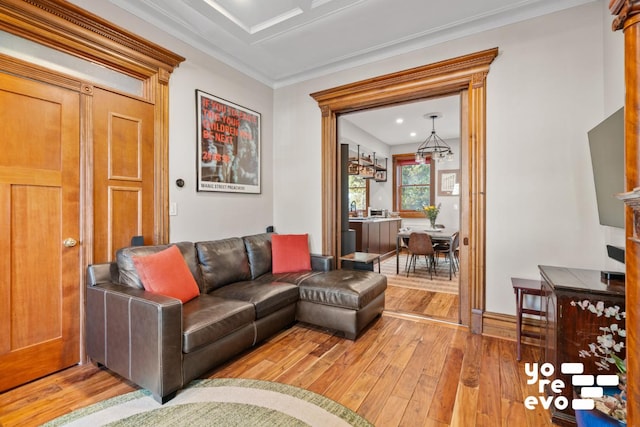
column 70, row 242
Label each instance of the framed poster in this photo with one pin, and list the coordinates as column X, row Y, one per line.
column 448, row 184
column 228, row 146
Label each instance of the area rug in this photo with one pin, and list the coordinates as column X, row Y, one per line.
column 218, row 402
column 421, row 278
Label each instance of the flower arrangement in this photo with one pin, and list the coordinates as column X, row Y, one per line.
column 609, row 343
column 432, row 212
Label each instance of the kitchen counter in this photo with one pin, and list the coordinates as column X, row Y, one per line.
column 375, row 234
column 372, row 219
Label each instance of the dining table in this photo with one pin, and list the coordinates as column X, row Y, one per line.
column 437, row 235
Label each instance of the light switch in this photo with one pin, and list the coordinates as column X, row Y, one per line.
column 173, row 209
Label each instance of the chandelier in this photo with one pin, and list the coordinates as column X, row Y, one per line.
column 433, row 146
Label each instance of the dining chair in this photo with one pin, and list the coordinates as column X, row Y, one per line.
column 420, row 244
column 449, row 249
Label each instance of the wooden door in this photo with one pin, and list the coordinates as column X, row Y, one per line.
column 123, row 172
column 39, row 209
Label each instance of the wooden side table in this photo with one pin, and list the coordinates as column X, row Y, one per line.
column 522, row 287
column 362, row 258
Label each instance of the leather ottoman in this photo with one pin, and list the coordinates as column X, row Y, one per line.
column 343, row 300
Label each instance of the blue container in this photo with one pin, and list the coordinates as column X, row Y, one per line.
column 595, row 418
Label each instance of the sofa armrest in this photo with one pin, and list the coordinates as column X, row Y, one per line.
column 135, row 333
column 321, row 262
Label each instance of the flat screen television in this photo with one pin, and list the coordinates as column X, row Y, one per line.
column 606, row 143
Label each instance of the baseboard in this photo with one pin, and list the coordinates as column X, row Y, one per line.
column 503, row 326
column 477, row 321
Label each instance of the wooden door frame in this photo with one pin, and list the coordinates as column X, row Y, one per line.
column 67, row 28
column 464, row 76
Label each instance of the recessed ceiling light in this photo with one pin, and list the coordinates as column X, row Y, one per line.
column 412, row 134
column 399, row 120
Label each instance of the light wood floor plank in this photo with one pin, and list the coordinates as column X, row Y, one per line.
column 400, row 371
column 489, row 397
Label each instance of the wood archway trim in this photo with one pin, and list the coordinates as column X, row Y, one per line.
column 464, row 76
column 68, row 28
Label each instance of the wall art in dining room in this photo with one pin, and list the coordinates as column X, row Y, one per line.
column 228, row 146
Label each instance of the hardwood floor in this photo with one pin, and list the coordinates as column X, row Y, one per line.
column 417, row 294
column 399, row 371
column 436, row 305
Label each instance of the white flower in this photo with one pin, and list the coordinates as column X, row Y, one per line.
column 611, row 311
column 606, row 340
column 605, row 346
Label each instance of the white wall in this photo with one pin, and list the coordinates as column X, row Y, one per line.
column 614, row 92
column 205, row 215
column 544, row 92
column 552, row 81
column 380, row 193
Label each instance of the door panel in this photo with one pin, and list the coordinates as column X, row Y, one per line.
column 123, row 172
column 39, row 208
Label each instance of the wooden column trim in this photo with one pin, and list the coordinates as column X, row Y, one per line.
column 628, row 18
column 477, row 202
column 464, row 76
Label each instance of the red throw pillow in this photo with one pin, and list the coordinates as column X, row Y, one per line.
column 167, row 273
column 290, row 253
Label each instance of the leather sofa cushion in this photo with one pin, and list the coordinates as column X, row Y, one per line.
column 352, row 289
column 208, row 318
column 129, row 274
column 259, row 252
column 266, row 297
column 223, row 262
column 294, row 278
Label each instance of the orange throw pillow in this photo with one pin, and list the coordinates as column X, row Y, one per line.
column 290, row 253
column 167, row 273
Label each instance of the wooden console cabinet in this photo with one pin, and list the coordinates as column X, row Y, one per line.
column 574, row 301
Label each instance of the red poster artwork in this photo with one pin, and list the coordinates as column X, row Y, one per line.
column 228, row 146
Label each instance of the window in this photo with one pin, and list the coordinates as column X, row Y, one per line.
column 358, row 193
column 412, row 184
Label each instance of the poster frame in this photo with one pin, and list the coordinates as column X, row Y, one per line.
column 228, row 146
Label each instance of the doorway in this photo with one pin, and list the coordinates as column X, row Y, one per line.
column 391, row 136
column 47, row 187
column 464, row 76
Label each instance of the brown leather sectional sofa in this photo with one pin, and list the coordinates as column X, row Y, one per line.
column 162, row 344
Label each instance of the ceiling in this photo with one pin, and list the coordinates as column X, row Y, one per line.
column 279, row 42
column 381, row 123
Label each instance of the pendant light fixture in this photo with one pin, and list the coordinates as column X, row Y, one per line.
column 433, row 146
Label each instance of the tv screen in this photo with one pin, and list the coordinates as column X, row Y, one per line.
column 606, row 143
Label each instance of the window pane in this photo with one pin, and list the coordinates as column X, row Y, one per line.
column 358, row 195
column 416, row 174
column 357, row 192
column 414, row 198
